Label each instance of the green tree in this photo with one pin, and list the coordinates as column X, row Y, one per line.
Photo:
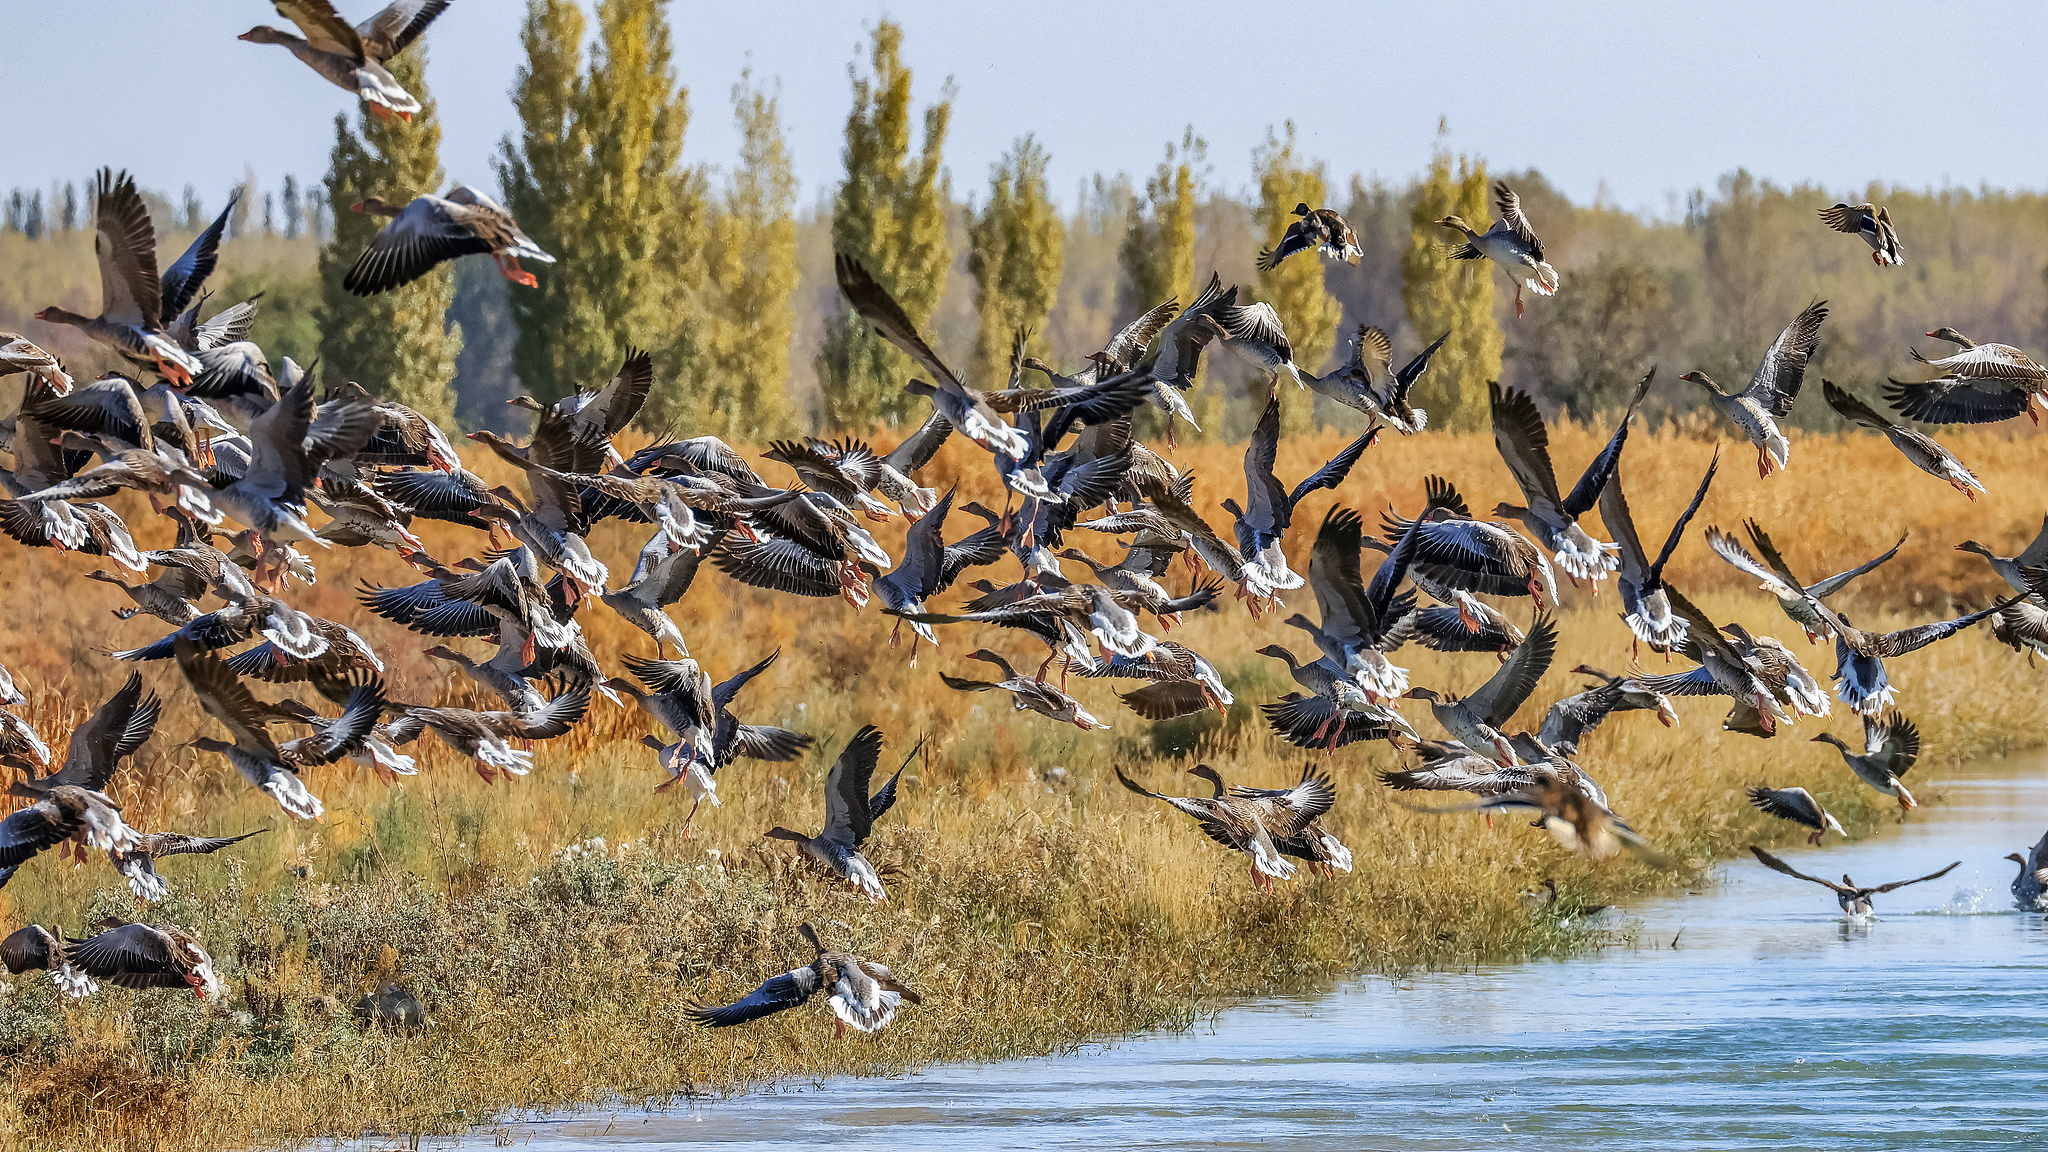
column 1294, row 288
column 751, row 276
column 1442, row 294
column 1158, row 254
column 890, row 214
column 597, row 178
column 1015, row 256
column 398, row 344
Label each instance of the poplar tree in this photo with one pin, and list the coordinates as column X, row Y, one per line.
column 398, row 344
column 1015, row 256
column 752, row 275
column 1158, row 255
column 1295, row 287
column 890, row 214
column 538, row 176
column 1443, row 294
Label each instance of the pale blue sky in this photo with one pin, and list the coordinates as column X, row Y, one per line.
column 1646, row 100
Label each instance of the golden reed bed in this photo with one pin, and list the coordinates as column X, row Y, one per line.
column 1034, row 908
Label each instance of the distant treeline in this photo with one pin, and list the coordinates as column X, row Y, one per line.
column 711, row 264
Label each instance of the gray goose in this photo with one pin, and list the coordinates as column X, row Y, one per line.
column 1293, row 817
column 486, row 737
column 1758, row 672
column 661, row 576
column 138, row 864
column 135, row 301
column 1524, row 443
column 1261, row 525
column 1570, row 719
column 1182, row 682
column 1791, row 599
column 1873, row 223
column 1772, row 389
column 261, row 761
column 115, row 731
column 61, row 813
column 1237, row 823
column 1466, row 555
column 1891, row 747
column 1361, row 622
column 865, row 994
column 434, row 229
column 146, row 956
column 1982, row 384
column 1335, row 712
column 1026, row 694
column 1853, row 897
column 1646, row 610
column 1573, row 817
column 1511, row 243
column 1318, row 228
column 599, row 414
column 17, row 354
column 291, row 440
column 1368, row 383
column 354, row 59
column 2012, row 569
column 38, row 948
column 2029, row 888
column 1799, row 806
column 1476, row 720
column 1919, row 449
column 850, row 814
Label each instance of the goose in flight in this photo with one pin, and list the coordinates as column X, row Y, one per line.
column 1891, row 746
column 1646, row 609
column 433, row 229
column 1524, row 443
column 1772, row 391
column 1853, row 897
column 1982, row 384
column 850, row 814
column 1318, row 228
column 133, row 296
column 1511, row 243
column 354, row 59
column 1919, row 449
column 865, row 994
column 1799, row 806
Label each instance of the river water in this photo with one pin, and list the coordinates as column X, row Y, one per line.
column 1771, row 1024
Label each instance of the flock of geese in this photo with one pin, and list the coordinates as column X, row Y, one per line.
column 238, row 457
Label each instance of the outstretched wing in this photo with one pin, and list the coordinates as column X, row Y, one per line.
column 774, row 995
column 1898, row 884
column 1777, row 865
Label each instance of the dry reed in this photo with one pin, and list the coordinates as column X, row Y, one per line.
column 556, row 926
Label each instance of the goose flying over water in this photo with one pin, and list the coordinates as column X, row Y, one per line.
column 1853, row 897
column 865, row 994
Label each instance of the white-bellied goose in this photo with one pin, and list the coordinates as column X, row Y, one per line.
column 2011, row 569
column 1919, row 449
column 1367, row 382
column 1135, row 579
column 354, row 59
column 1293, row 817
column 138, row 864
column 1182, row 682
column 1982, row 384
column 61, row 812
column 17, row 354
column 1860, row 679
column 600, row 413
column 1891, row 746
column 292, row 440
column 36, row 947
column 1646, row 610
column 1319, row 228
column 1511, row 243
column 896, row 472
column 1763, row 678
column 1797, row 805
column 1449, row 766
column 850, row 814
column 661, row 577
column 1261, row 526
column 1772, row 390
column 864, row 994
column 1853, row 897
column 1524, row 443
column 929, row 567
column 2029, row 888
column 1233, row 822
column 555, row 524
column 146, row 956
column 133, row 296
column 486, row 737
column 846, row 469
column 677, row 695
column 1570, row 719
column 1026, row 693
column 255, row 756
column 1458, row 552
column 1361, row 623
column 1791, row 599
column 434, row 229
column 1476, row 720
column 1873, row 223
column 291, row 630
column 1336, row 711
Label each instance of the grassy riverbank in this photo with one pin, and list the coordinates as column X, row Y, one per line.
column 1033, row 901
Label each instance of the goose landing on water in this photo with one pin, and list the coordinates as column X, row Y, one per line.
column 1854, row 898
column 2030, row 887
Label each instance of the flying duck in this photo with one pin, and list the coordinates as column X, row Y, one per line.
column 1874, row 224
column 1318, row 228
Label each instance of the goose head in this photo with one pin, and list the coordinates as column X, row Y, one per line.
column 1703, row 380
column 1300, row 210
column 780, row 833
column 1952, row 336
column 56, row 315
column 1973, row 546
column 1278, row 652
column 1829, row 738
column 1454, row 221
column 1205, row 772
column 265, row 34
column 376, row 206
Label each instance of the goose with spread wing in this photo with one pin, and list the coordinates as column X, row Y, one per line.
column 1872, row 222
column 865, row 994
column 1982, row 384
column 354, row 59
column 1511, row 243
column 1524, row 443
column 2029, row 888
column 1321, row 229
column 292, row 439
column 486, row 737
column 1569, row 813
column 1261, row 525
column 132, row 294
column 434, row 229
column 1454, row 551
column 1026, row 694
column 1570, row 719
column 61, row 813
column 1335, row 712
column 1646, row 610
column 1772, row 391
column 1853, row 897
column 850, row 814
column 1791, row 599
column 1293, row 817
column 1799, row 806
column 1891, row 746
column 1919, row 449
column 1475, row 720
column 1368, row 383
column 116, row 730
column 1757, row 672
column 1361, row 623
column 1239, row 823
column 18, row 354
column 2012, row 569
column 146, row 956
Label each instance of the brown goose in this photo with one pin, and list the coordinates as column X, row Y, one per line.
column 1891, row 746
column 1283, row 810
column 1241, row 825
column 1573, row 818
column 63, row 812
column 17, row 354
column 1318, row 228
column 1524, row 444
column 1918, row 448
column 1027, row 694
column 1799, row 806
column 864, row 994
column 138, row 864
column 1853, row 897
column 486, row 737
column 1874, row 224
column 1982, row 384
column 354, row 59
column 434, row 229
column 146, row 956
